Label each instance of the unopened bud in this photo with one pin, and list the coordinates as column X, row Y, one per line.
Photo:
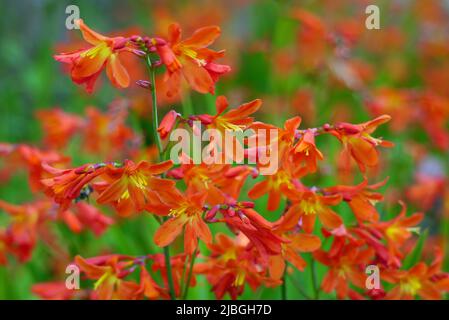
column 246, row 204
column 167, row 123
column 243, row 217
column 205, row 119
column 235, row 171
column 139, row 53
column 159, row 42
column 120, row 43
column 150, row 47
column 348, row 128
column 157, row 63
column 254, row 173
column 175, row 173
column 212, row 213
column 144, row 84
column 135, row 38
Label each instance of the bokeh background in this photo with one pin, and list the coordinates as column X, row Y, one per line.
column 310, row 58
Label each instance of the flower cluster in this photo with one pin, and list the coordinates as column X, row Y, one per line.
column 225, row 223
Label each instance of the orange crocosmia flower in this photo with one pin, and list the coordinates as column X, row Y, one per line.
column 237, row 119
column 280, row 145
column 428, row 282
column 21, row 236
column 58, row 126
column 303, row 102
column 360, row 198
column 109, row 272
column 298, row 242
column 65, row 185
column 93, row 218
column 308, row 204
column 106, row 134
column 192, row 59
column 306, row 151
column 184, row 211
column 433, row 115
column 17, row 156
column 398, row 230
column 167, row 123
column 342, row 237
column 346, row 266
column 86, row 216
column 232, row 121
column 34, row 158
column 285, row 137
column 87, row 64
column 203, row 178
column 220, row 182
column 285, row 177
column 232, row 264
column 257, row 229
column 274, row 185
column 312, row 39
column 358, row 142
column 394, row 102
column 426, row 190
column 212, row 179
column 374, row 239
column 149, row 287
column 130, row 187
column 56, row 290
column 232, row 182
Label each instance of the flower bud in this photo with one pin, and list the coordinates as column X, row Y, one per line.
column 235, row 171
column 348, row 128
column 212, row 213
column 150, row 47
column 157, row 63
column 175, row 173
column 167, row 123
column 243, row 217
column 120, row 43
column 139, row 53
column 246, row 204
column 144, row 84
column 135, row 38
column 159, row 42
column 254, row 173
column 205, row 119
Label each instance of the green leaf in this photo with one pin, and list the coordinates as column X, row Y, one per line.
column 415, row 255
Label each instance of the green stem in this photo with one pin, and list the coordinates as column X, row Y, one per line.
column 151, row 70
column 284, row 286
column 192, row 261
column 157, row 139
column 316, row 289
column 169, row 273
